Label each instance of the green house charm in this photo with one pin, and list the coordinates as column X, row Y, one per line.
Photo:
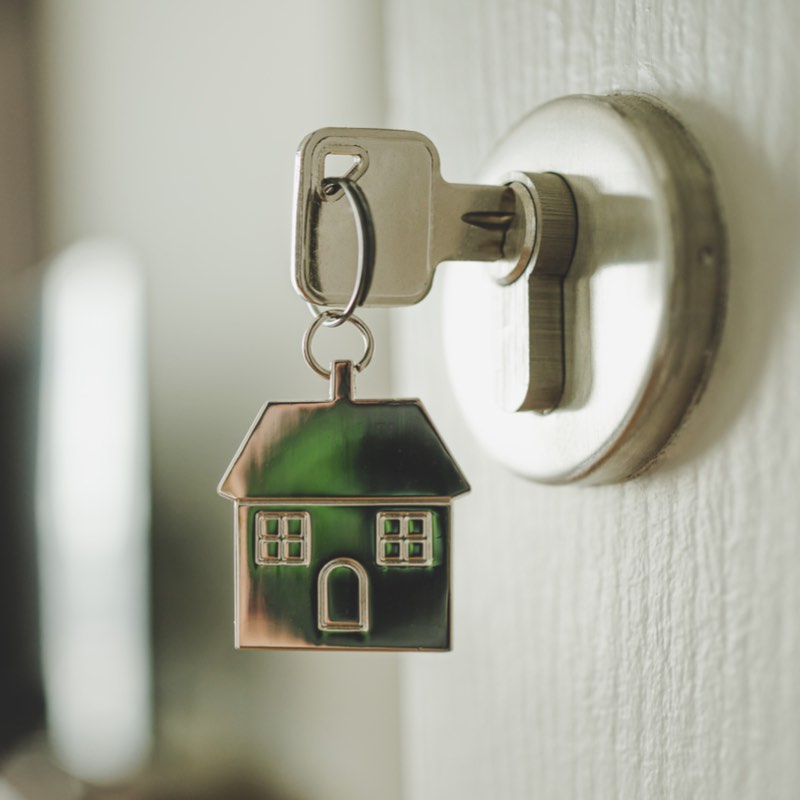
column 342, row 525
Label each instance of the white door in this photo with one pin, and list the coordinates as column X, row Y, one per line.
column 639, row 640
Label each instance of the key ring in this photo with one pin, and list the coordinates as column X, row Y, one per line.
column 363, row 329
column 366, row 252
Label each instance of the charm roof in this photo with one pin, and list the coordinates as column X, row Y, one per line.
column 343, row 448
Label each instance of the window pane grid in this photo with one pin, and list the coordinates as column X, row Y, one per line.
column 283, row 538
column 404, row 539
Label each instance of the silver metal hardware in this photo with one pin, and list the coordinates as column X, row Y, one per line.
column 643, row 299
column 602, row 305
column 419, row 220
column 529, row 311
column 526, row 225
column 366, row 249
column 373, row 482
column 322, row 319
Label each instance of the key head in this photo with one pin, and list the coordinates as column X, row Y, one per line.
column 396, row 172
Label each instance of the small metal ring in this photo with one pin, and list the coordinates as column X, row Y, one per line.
column 363, row 329
column 366, row 252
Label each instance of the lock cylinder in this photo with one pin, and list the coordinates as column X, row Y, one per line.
column 544, row 228
column 540, row 244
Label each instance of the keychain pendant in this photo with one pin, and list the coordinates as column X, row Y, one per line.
column 342, row 525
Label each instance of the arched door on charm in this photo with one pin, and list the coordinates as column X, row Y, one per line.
column 343, row 597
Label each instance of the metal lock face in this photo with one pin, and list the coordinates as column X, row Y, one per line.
column 643, row 301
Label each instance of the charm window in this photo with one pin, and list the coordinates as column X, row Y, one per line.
column 404, row 539
column 283, row 538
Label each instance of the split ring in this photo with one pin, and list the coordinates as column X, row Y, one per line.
column 322, row 319
column 366, row 252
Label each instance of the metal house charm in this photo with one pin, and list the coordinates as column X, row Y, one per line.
column 342, row 518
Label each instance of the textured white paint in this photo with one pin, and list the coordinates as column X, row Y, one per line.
column 641, row 640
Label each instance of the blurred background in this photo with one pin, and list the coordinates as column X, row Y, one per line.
column 146, row 313
column 636, row 640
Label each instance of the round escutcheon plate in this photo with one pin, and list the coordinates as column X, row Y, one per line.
column 643, row 298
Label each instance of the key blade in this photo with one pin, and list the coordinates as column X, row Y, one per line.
column 470, row 222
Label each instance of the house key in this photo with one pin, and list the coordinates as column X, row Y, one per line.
column 527, row 226
column 419, row 220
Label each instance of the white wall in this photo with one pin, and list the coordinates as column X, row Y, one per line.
column 172, row 126
column 641, row 640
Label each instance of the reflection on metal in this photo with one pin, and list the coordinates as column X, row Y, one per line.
column 419, row 219
column 283, row 538
column 526, row 226
column 531, row 309
column 324, row 621
column 403, row 539
column 643, row 301
column 366, row 249
column 344, row 465
column 357, row 322
column 603, row 306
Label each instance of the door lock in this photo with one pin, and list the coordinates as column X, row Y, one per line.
column 601, row 303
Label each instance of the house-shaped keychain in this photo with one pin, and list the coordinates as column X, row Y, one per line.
column 342, row 520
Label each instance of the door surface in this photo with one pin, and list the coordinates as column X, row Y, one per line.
column 638, row 640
